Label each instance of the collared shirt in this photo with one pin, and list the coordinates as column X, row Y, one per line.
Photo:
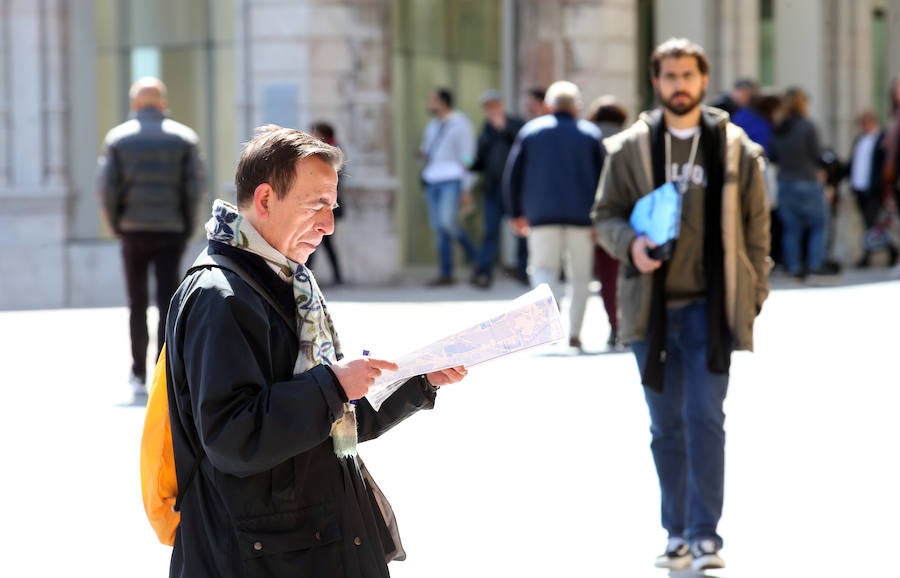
column 861, row 167
column 449, row 148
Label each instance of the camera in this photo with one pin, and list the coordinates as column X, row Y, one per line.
column 662, row 252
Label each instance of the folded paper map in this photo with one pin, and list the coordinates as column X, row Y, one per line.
column 531, row 320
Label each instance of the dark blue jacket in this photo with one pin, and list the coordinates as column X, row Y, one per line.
column 553, row 170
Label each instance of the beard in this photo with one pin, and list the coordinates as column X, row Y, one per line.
column 684, row 106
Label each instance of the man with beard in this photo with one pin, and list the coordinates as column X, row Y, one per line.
column 684, row 316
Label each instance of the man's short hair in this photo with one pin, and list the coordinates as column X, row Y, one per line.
column 271, row 157
column 563, row 96
column 445, row 96
column 607, row 108
column 537, row 93
column 678, row 48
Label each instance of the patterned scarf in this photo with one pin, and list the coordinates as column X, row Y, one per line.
column 318, row 338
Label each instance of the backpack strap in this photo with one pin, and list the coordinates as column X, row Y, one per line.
column 207, row 261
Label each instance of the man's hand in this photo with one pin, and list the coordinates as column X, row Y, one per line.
column 520, row 226
column 357, row 376
column 446, row 376
column 639, row 255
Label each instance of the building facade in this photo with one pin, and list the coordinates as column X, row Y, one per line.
column 367, row 67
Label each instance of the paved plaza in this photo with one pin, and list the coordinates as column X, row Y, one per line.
column 538, row 464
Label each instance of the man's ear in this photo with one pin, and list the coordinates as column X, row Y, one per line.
column 262, row 197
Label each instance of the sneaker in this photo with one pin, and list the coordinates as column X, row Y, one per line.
column 706, row 555
column 137, row 385
column 676, row 557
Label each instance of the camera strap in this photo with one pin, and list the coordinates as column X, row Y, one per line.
column 684, row 181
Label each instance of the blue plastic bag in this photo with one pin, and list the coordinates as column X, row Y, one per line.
column 657, row 215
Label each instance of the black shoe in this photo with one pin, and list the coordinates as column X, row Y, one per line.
column 892, row 255
column 613, row 338
column 481, row 280
column 441, row 282
column 864, row 262
column 828, row 268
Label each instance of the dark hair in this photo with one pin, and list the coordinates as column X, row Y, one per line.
column 537, row 93
column 607, row 109
column 323, row 130
column 678, row 48
column 795, row 102
column 271, row 157
column 445, row 96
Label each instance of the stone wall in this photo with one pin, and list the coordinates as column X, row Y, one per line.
column 33, row 190
column 592, row 43
column 311, row 60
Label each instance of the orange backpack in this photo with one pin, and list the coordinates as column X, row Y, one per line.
column 159, row 483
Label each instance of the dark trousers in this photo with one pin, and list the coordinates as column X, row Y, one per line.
column 606, row 270
column 139, row 251
column 490, row 244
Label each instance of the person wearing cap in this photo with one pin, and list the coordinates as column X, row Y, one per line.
column 494, row 142
column 741, row 94
column 549, row 184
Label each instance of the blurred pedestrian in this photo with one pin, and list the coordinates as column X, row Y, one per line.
column 685, row 315
column 447, row 150
column 150, row 182
column 494, row 142
column 549, row 185
column 325, row 132
column 609, row 115
column 801, row 195
column 535, row 103
column 742, row 93
column 867, row 156
column 758, row 120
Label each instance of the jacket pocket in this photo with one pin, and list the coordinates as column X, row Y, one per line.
column 285, row 532
column 747, row 305
column 632, row 300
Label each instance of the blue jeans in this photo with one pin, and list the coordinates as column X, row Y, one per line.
column 443, row 208
column 801, row 205
column 490, row 245
column 687, row 426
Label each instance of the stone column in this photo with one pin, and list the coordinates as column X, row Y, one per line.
column 591, row 43
column 356, row 59
column 800, row 43
column 685, row 18
column 5, row 95
column 54, row 101
column 301, row 61
column 892, row 15
column 33, row 212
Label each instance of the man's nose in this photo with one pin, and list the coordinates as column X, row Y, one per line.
column 325, row 223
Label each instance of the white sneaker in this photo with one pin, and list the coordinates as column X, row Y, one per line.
column 706, row 555
column 137, row 385
column 677, row 555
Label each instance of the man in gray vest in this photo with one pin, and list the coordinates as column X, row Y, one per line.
column 150, row 181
